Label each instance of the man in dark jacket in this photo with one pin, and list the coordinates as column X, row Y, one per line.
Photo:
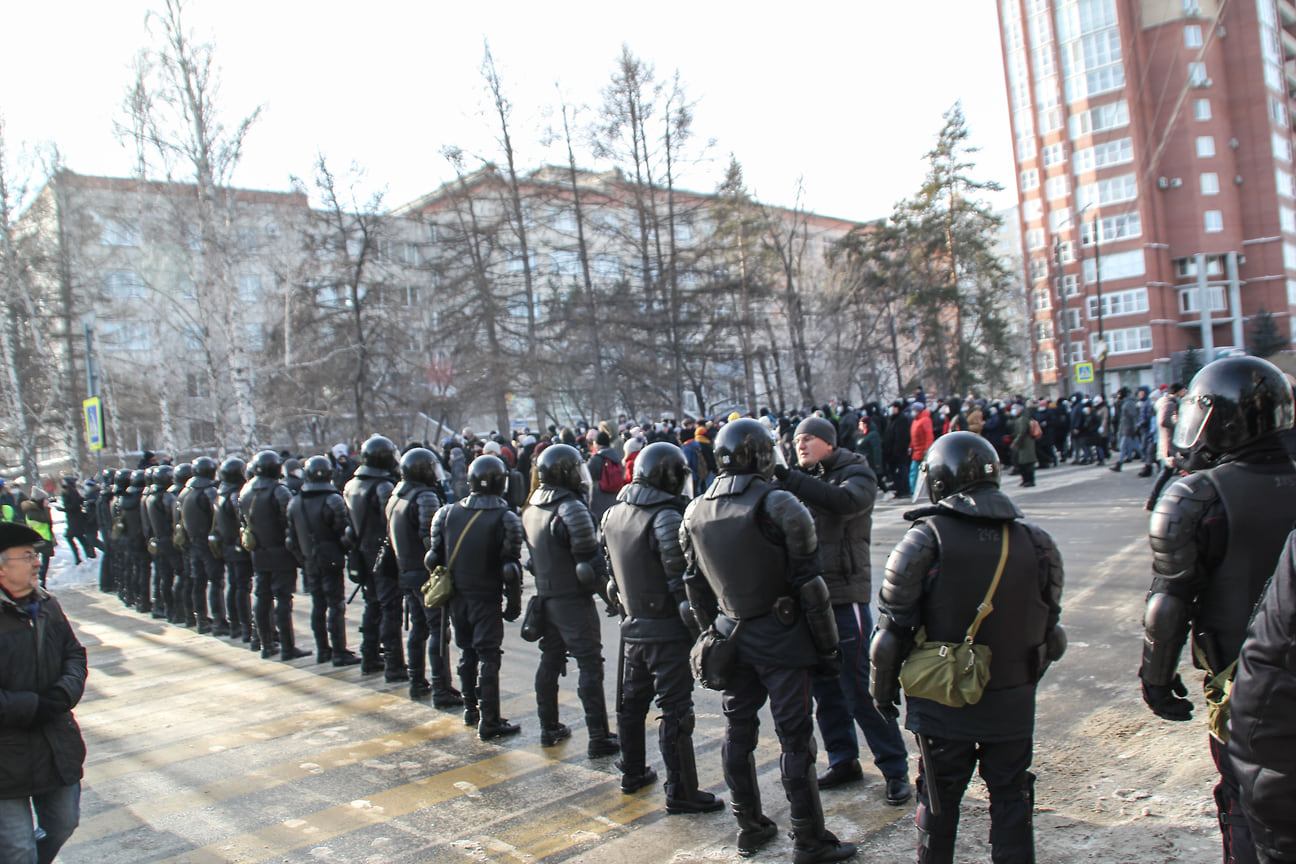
column 895, row 449
column 839, row 488
column 1262, row 740
column 1216, row 537
column 969, row 546
column 41, row 680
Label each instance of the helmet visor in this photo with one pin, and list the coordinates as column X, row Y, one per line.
column 587, row 484
column 922, row 489
column 1194, row 413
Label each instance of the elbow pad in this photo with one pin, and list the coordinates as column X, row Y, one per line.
column 1055, row 643
column 1165, row 630
column 701, row 600
column 817, row 607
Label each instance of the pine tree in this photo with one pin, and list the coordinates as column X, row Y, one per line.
column 1266, row 340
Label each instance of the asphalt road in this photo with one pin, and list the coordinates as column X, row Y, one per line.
column 200, row 751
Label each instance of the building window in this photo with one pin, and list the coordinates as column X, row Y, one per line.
column 1053, row 154
column 117, row 233
column 1191, row 8
column 1046, row 361
column 1277, row 111
column 248, row 240
column 1038, row 269
column 1077, row 353
column 1043, row 330
column 249, row 289
column 514, row 263
column 607, row 267
column 1283, row 183
column 1201, row 109
column 1110, row 116
column 256, row 337
column 1197, row 75
column 1282, row 147
column 1214, row 221
column 1273, row 77
column 564, row 220
column 124, row 336
column 1029, row 180
column 1073, row 321
column 1069, row 285
column 1289, row 256
column 123, row 285
column 195, row 335
column 1118, row 265
column 1210, row 183
column 1112, row 190
column 1186, row 268
column 1205, row 146
column 1129, row 340
column 1287, row 219
column 1189, row 300
column 1035, row 239
column 565, row 263
column 1291, row 292
column 1113, row 228
column 1057, row 187
column 1041, row 299
column 1059, row 219
column 1066, row 252
column 196, row 385
column 1116, row 303
column 1193, row 36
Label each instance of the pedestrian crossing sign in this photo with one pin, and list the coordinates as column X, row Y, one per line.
column 94, row 424
column 1084, row 373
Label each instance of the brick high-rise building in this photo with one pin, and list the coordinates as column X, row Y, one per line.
column 1154, row 148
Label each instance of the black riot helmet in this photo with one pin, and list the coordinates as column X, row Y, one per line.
column 121, row 480
column 163, row 477
column 317, row 476
column 958, row 462
column 233, row 470
column 138, row 479
column 378, row 452
column 206, row 467
column 661, row 465
column 487, row 475
column 560, row 465
column 1232, row 402
column 266, row 464
column 107, row 476
column 183, row 472
column 418, row 465
column 743, row 446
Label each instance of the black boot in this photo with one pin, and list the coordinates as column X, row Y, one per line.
column 682, row 793
column 345, row 658
column 394, row 667
column 814, row 844
column 755, row 829
column 601, row 741
column 370, row 662
column 445, row 696
column 492, row 725
column 419, row 688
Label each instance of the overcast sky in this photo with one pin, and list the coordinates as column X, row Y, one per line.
column 846, row 95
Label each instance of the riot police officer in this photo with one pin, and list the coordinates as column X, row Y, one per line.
column 263, row 505
column 488, row 537
column 198, row 517
column 366, row 495
column 317, row 524
column 120, row 542
column 1216, row 536
column 641, row 534
column 104, row 516
column 182, row 592
column 238, row 561
column 409, row 513
column 971, row 545
column 158, row 506
column 138, row 571
column 753, row 573
column 569, row 568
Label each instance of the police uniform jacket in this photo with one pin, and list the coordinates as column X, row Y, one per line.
column 560, row 532
column 264, row 507
column 936, row 578
column 410, row 509
column 157, row 508
column 495, row 540
column 317, row 524
column 366, row 495
column 641, row 534
column 227, row 522
column 839, row 493
column 40, row 652
column 198, row 510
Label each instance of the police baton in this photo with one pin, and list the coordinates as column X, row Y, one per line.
column 621, row 661
column 924, row 751
column 353, row 593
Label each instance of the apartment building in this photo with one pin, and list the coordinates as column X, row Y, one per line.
column 1153, row 143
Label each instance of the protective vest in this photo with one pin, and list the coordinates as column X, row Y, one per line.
column 403, row 525
column 969, row 554
column 7, row 511
column 104, row 512
column 478, row 569
column 747, row 572
column 45, row 529
column 129, row 507
column 316, row 530
column 1259, row 505
column 158, row 508
column 637, row 567
column 261, row 510
column 363, row 494
column 227, row 522
column 552, row 561
column 198, row 510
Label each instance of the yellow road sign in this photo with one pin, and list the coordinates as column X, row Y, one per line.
column 1084, row 373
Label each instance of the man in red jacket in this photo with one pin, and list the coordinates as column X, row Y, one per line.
column 920, row 438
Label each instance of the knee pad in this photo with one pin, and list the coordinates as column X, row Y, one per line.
column 742, row 735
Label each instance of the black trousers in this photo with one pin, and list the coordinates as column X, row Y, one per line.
column 571, row 627
column 1003, row 766
column 479, row 633
column 790, row 697
column 655, row 670
column 328, row 609
column 1239, row 846
column 274, row 600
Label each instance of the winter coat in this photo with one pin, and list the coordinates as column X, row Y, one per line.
column 1262, row 738
column 1023, row 444
column 41, row 653
column 839, row 493
column 975, row 421
column 601, row 501
column 895, row 441
column 920, row 435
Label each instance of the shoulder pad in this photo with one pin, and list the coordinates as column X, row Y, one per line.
column 793, row 519
column 906, row 572
column 1173, row 527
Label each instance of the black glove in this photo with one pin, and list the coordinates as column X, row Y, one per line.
column 781, row 472
column 1166, row 700
column 829, row 665
column 890, row 711
column 513, row 608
